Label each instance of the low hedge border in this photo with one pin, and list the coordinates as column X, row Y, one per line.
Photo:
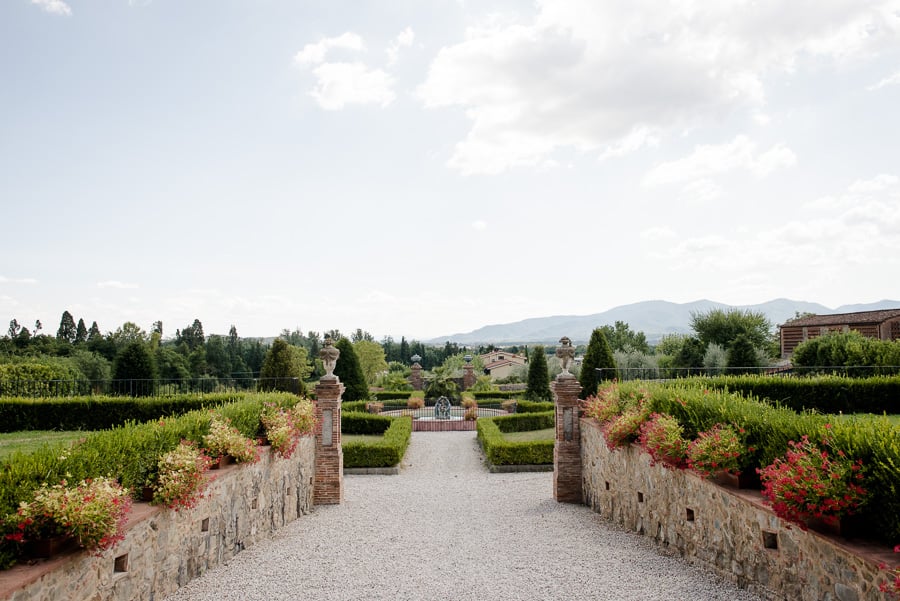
column 129, row 453
column 500, row 451
column 18, row 414
column 768, row 428
column 391, row 395
column 360, row 422
column 497, row 394
column 825, row 393
column 385, row 453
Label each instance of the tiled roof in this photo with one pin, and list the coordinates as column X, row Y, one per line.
column 845, row 318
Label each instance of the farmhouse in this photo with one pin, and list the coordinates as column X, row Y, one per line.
column 884, row 324
column 500, row 364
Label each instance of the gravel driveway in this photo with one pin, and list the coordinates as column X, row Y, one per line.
column 445, row 528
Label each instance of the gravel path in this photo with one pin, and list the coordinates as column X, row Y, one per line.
column 445, row 528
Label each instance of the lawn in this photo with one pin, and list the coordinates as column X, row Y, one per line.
column 364, row 438
column 26, row 442
column 545, row 434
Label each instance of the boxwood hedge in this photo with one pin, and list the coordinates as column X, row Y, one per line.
column 386, row 452
column 501, row 451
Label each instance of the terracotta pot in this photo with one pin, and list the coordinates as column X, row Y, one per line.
column 147, row 493
column 845, row 527
column 747, row 479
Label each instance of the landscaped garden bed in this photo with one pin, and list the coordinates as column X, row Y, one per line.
column 503, row 451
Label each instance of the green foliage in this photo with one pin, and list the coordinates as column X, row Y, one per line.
column 597, row 356
column 35, row 374
column 538, row 376
column 353, row 406
column 534, row 407
column 134, row 362
column 621, row 338
column 440, row 383
column 501, row 451
column 353, row 422
column 390, row 395
column 482, row 384
column 350, row 372
column 850, row 349
column 723, row 327
column 690, row 356
column 385, row 453
column 741, row 353
column 525, row 422
column 825, row 394
column 371, row 359
column 497, row 394
column 284, row 368
column 67, row 328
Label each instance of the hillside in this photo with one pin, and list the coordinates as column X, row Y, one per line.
column 655, row 318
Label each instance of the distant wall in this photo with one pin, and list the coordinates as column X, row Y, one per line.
column 165, row 549
column 728, row 530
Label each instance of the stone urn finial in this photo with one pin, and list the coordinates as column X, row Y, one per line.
column 329, row 356
column 566, row 353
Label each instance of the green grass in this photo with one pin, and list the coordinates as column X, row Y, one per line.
column 545, row 434
column 27, row 442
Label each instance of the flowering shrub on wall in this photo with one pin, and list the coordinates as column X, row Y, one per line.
column 182, row 477
column 225, row 439
column 662, row 437
column 719, row 448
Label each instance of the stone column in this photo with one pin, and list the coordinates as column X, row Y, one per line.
column 468, row 376
column 329, row 483
column 567, row 446
column 415, row 378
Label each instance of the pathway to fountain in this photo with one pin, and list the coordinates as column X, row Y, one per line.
column 445, row 528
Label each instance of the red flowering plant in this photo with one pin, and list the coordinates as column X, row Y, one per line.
column 891, row 584
column 663, row 438
column 811, row 483
column 624, row 428
column 225, row 439
column 182, row 477
column 93, row 512
column 717, row 449
column 285, row 426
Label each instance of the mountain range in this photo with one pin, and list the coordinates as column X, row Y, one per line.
column 655, row 318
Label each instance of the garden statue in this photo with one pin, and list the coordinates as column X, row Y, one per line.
column 329, row 356
column 566, row 353
column 442, row 408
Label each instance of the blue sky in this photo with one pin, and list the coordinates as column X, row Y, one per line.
column 422, row 168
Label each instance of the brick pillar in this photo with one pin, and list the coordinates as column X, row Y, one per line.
column 329, row 483
column 468, row 376
column 415, row 378
column 567, row 448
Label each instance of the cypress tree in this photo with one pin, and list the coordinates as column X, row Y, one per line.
column 281, row 365
column 598, row 355
column 742, row 354
column 350, row 373
column 538, row 376
column 81, row 332
column 67, row 329
column 135, row 370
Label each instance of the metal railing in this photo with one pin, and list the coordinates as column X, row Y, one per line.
column 673, row 373
column 144, row 388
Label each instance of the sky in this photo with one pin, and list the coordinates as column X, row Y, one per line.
column 427, row 167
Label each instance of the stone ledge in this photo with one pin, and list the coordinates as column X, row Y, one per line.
column 512, row 469
column 372, row 471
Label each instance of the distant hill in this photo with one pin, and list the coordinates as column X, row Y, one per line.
column 655, row 318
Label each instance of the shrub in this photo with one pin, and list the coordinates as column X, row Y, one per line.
column 661, row 436
column 468, row 402
column 385, row 453
column 471, row 413
column 533, row 407
column 182, row 477
column 524, row 422
column 500, row 451
column 717, row 449
column 624, row 428
column 364, row 423
column 284, row 368
column 225, row 439
column 374, row 407
column 415, row 403
column 350, row 372
column 538, row 376
column 598, row 355
column 392, row 395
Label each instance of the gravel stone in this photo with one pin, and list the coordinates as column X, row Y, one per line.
column 446, row 528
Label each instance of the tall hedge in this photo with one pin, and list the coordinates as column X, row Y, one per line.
column 597, row 356
column 350, row 373
column 538, row 376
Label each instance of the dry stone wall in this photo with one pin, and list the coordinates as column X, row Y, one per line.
column 729, row 530
column 164, row 549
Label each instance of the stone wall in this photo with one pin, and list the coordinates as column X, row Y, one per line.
column 728, row 530
column 164, row 549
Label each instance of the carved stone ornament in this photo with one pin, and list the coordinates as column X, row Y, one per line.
column 566, row 353
column 329, row 356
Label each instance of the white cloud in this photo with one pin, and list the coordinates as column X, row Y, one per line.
column 880, row 182
column 340, row 84
column 54, row 7
column 313, row 54
column 6, row 280
column 587, row 75
column 713, row 159
column 891, row 80
column 700, row 192
column 403, row 40
column 479, row 225
column 116, row 284
column 657, row 233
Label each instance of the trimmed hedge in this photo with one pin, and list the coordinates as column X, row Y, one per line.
column 391, row 395
column 360, row 422
column 385, row 453
column 767, row 428
column 534, row 406
column 500, row 451
column 353, row 406
column 497, row 394
column 19, row 414
column 525, row 422
column 826, row 394
column 129, row 453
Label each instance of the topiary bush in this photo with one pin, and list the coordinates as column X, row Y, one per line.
column 387, row 452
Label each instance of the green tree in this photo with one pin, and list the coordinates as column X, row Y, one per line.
column 135, row 370
column 350, row 372
column 67, row 328
column 217, row 360
column 173, row 366
column 371, row 359
column 191, row 336
column 538, row 376
column 404, row 351
column 690, row 357
column 94, row 366
column 597, row 356
column 742, row 354
column 81, row 332
column 621, row 338
column 723, row 327
column 440, row 383
column 284, row 368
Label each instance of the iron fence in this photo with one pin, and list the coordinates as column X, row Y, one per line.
column 673, row 373
column 144, row 388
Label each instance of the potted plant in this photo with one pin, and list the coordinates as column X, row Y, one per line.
column 624, row 428
column 226, row 441
column 717, row 453
column 92, row 514
column 304, row 416
column 280, row 429
column 471, row 413
column 662, row 437
column 812, row 487
column 181, row 478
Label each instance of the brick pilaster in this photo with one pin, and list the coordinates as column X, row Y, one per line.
column 329, row 483
column 415, row 377
column 468, row 376
column 567, row 448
